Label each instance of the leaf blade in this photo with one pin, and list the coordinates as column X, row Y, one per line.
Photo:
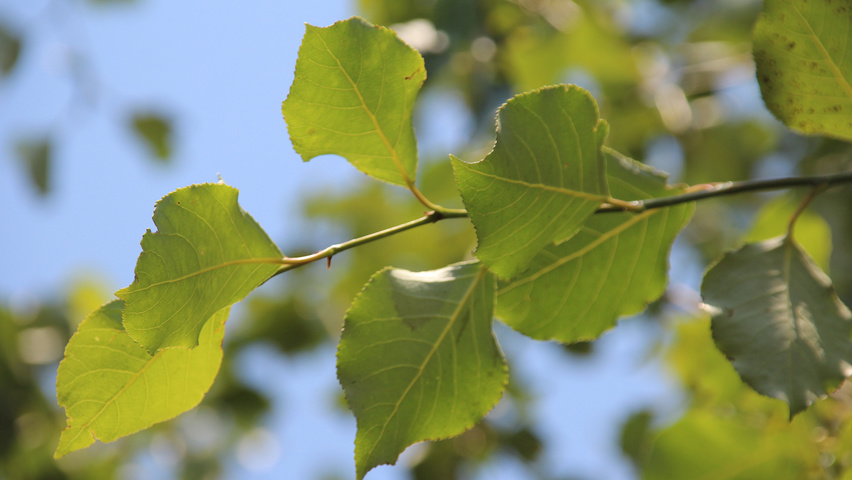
column 111, row 387
column 804, row 73
column 776, row 317
column 207, row 254
column 613, row 267
column 353, row 96
column 542, row 179
column 425, row 321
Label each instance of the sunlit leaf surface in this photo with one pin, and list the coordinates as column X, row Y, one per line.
column 418, row 360
column 352, row 96
column 111, row 387
column 777, row 318
column 801, row 49
column 207, row 254
column 541, row 181
column 613, row 266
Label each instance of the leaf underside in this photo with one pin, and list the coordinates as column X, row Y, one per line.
column 541, row 181
column 801, row 52
column 418, row 359
column 352, row 95
column 776, row 317
column 612, row 267
column 207, row 254
column 111, row 387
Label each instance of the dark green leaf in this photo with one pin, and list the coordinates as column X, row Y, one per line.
column 155, row 131
column 111, row 387
column 801, row 50
column 777, row 318
column 543, row 179
column 208, row 254
column 614, row 266
column 352, row 96
column 36, row 158
column 418, row 360
column 10, row 49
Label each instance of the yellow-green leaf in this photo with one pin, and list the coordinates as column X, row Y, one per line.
column 207, row 254
column 353, row 95
column 801, row 51
column 111, row 387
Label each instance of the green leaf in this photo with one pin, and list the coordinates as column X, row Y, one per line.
column 10, row 49
column 155, row 131
column 35, row 155
column 207, row 254
column 803, row 67
column 811, row 230
column 352, row 96
column 702, row 445
column 776, row 317
column 111, row 387
column 612, row 267
column 418, row 360
column 541, row 181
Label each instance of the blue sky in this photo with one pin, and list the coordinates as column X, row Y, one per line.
column 221, row 72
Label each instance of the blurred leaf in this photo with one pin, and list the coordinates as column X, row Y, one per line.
column 805, row 73
column 287, row 323
column 634, row 436
column 706, row 446
column 418, row 360
column 812, row 232
column 155, row 131
column 35, row 155
column 614, row 266
column 536, row 58
column 111, row 387
column 208, row 254
column 10, row 49
column 543, row 179
column 353, row 95
column 777, row 318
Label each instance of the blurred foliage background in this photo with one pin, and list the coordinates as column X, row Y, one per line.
column 675, row 80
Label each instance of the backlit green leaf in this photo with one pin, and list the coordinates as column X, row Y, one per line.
column 612, row 267
column 541, row 181
column 111, row 387
column 418, row 360
column 777, row 318
column 207, row 254
column 801, row 50
column 352, row 96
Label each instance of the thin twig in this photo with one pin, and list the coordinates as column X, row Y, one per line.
column 730, row 188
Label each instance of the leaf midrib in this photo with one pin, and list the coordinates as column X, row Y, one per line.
column 229, row 263
column 373, row 119
column 540, row 186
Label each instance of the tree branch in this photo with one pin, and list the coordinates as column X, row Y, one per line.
column 698, row 192
column 731, row 188
column 430, row 217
